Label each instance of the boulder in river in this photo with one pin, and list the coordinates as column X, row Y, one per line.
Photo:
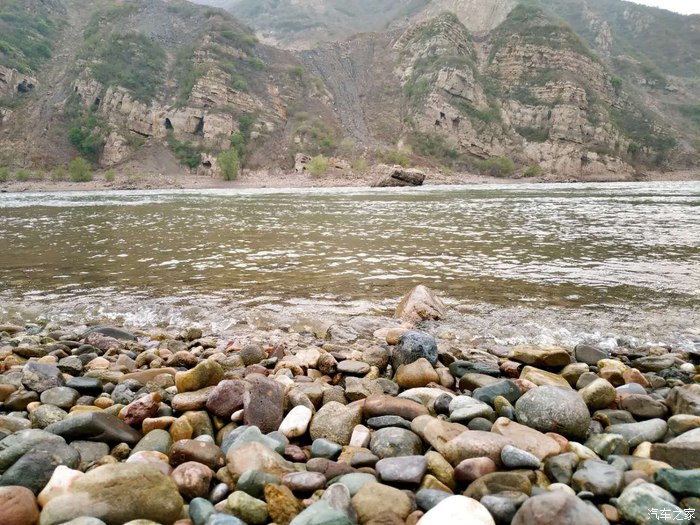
column 396, row 176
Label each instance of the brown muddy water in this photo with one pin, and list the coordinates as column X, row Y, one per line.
column 539, row 262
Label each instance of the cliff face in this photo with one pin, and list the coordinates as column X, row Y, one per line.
column 496, row 86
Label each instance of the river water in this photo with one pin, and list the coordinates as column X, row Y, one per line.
column 515, row 260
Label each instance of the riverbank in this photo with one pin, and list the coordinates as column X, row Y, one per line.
column 153, row 180
column 367, row 420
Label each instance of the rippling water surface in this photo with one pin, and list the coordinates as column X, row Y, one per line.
column 574, row 247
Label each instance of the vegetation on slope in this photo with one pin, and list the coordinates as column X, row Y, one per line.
column 530, row 24
column 659, row 39
column 27, row 33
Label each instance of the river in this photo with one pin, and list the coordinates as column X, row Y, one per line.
column 549, row 258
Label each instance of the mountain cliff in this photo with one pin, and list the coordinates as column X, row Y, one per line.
column 575, row 88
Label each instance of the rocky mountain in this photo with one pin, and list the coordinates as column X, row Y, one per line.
column 574, row 88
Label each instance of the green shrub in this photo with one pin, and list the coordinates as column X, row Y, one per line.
column 296, row 72
column 229, row 165
column 239, row 140
column 318, row 165
column 396, row 157
column 187, row 73
column 432, row 145
column 319, row 136
column 187, row 154
column 616, row 84
column 58, row 174
column 496, row 166
column 4, row 174
column 692, row 112
column 533, row 171
column 360, row 165
column 132, row 61
column 27, row 34
column 79, row 170
column 22, row 175
column 534, row 134
column 110, row 175
column 87, row 131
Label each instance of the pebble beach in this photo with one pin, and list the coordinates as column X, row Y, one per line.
column 384, row 424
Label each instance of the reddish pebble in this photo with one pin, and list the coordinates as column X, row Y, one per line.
column 18, row 506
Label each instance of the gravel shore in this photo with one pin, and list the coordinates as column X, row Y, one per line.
column 153, row 179
column 378, row 422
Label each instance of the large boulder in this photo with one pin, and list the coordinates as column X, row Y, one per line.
column 116, row 494
column 396, row 176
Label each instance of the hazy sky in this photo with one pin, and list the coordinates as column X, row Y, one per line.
column 681, row 6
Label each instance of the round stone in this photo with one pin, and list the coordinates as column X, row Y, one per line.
column 513, row 457
column 413, row 346
column 458, row 510
column 18, row 506
column 335, row 422
column 374, row 499
column 192, row 479
column 402, row 470
column 393, row 442
column 554, row 409
column 246, row 507
column 116, row 494
column 557, row 506
column 45, row 415
column 60, row 396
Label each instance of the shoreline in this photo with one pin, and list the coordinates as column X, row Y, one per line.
column 281, row 180
column 270, row 426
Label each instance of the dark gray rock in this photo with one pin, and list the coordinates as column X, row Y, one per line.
column 402, row 470
column 34, row 469
column 412, row 346
column 597, row 477
column 110, row 331
column 95, row 426
column 61, row 396
column 41, row 376
column 394, row 442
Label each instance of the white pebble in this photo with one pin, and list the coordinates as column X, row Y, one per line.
column 296, row 422
column 457, row 510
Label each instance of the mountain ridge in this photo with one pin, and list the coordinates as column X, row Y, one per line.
column 532, row 94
